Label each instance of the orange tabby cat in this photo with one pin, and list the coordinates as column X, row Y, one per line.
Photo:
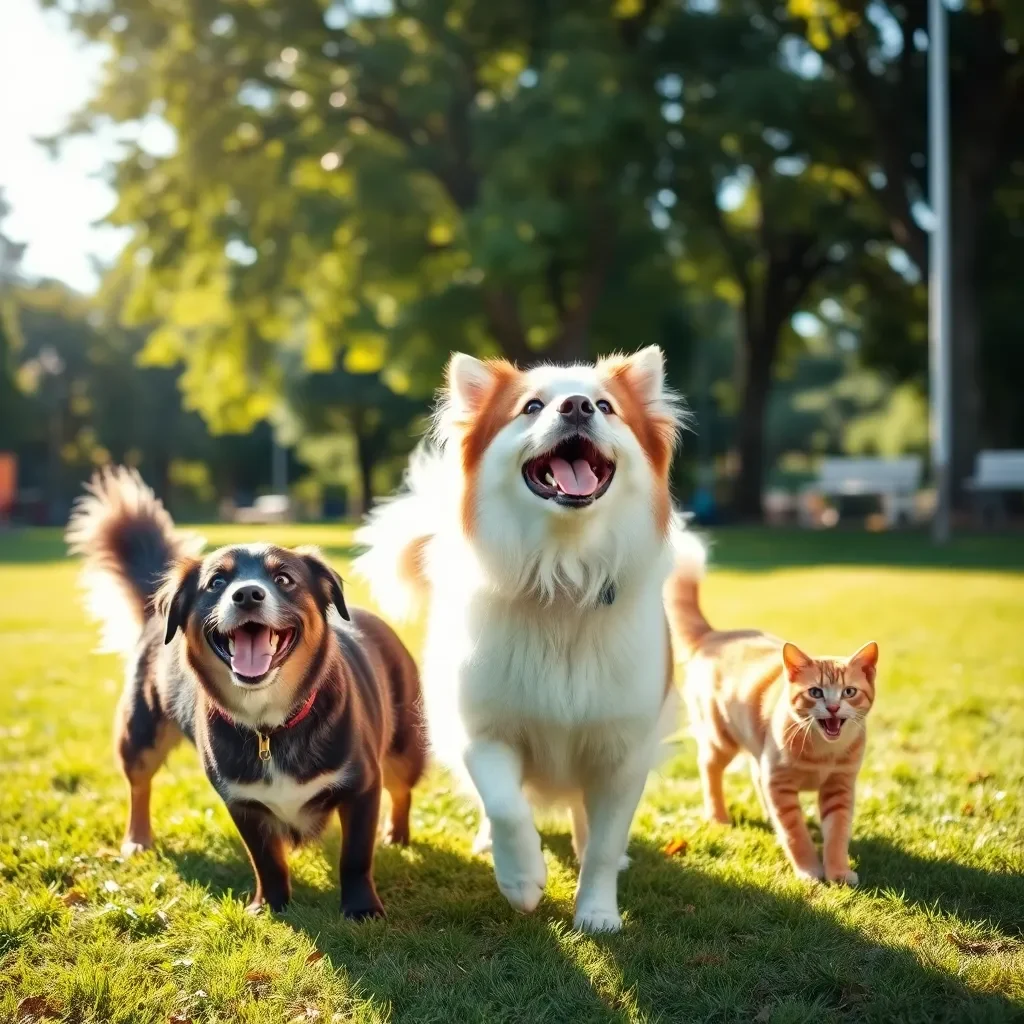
column 800, row 718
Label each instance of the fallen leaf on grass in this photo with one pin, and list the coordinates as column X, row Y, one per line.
column 706, row 960
column 967, row 810
column 179, row 1018
column 258, row 981
column 852, row 994
column 689, row 908
column 980, row 947
column 304, row 1014
column 314, row 957
column 979, row 776
column 74, row 898
column 36, row 1008
column 676, row 847
column 763, row 1015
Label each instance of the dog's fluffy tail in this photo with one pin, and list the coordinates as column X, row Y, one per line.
column 397, row 533
column 128, row 541
column 682, row 599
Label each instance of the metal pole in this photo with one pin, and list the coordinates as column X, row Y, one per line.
column 939, row 276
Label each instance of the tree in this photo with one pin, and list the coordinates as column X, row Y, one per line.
column 755, row 176
column 381, row 186
column 879, row 52
column 360, row 406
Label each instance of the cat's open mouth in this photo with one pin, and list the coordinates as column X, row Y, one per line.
column 831, row 726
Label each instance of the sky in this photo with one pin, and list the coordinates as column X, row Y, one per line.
column 45, row 74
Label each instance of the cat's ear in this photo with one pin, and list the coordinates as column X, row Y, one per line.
column 866, row 659
column 795, row 661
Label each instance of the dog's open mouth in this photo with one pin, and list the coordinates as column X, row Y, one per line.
column 573, row 473
column 253, row 649
column 831, row 726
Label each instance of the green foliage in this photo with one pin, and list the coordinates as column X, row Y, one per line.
column 357, row 186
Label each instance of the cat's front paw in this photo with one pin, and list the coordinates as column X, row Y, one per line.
column 809, row 873
column 845, row 876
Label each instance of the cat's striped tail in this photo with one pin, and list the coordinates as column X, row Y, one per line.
column 682, row 599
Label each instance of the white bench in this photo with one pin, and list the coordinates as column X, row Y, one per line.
column 895, row 481
column 268, row 508
column 995, row 473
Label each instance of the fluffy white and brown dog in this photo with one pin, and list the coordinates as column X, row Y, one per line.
column 540, row 534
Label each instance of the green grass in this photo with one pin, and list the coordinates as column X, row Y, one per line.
column 719, row 933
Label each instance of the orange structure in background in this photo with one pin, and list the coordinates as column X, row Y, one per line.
column 8, row 484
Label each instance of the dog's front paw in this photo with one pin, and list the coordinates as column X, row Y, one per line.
column 132, row 847
column 519, row 866
column 597, row 919
column 624, row 862
column 482, row 840
column 259, row 904
column 845, row 876
column 363, row 912
column 397, row 835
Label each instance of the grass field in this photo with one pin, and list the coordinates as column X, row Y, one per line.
column 718, row 932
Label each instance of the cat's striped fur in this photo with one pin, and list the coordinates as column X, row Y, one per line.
column 801, row 720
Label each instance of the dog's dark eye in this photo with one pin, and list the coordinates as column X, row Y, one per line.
column 282, row 579
column 816, row 691
column 850, row 691
column 217, row 582
column 534, row 405
column 605, row 407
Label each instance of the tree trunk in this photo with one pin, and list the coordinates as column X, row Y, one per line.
column 966, row 340
column 759, row 345
column 366, row 456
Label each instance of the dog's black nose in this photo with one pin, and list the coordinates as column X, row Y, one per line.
column 248, row 597
column 577, row 409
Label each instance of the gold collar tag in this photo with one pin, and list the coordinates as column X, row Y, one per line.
column 264, row 740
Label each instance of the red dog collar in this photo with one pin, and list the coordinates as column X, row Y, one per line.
column 264, row 737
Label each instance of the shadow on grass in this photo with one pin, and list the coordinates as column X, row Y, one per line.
column 749, row 549
column 695, row 947
column 753, row 549
column 984, row 897
column 44, row 545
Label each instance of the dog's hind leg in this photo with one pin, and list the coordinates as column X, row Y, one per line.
column 396, row 782
column 610, row 806
column 580, row 830
column 144, row 738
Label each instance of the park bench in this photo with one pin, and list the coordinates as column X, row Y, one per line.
column 995, row 474
column 268, row 508
column 894, row 481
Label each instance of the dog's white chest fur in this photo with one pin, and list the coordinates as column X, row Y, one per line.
column 577, row 693
column 285, row 797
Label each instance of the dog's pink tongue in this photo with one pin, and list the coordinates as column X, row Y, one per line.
column 252, row 655
column 577, row 479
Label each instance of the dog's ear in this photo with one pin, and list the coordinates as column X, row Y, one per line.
column 177, row 593
column 327, row 581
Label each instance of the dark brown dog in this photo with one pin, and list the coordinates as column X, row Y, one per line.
column 294, row 716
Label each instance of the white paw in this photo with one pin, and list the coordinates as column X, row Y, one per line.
column 810, row 874
column 482, row 841
column 519, row 866
column 847, row 877
column 624, row 862
column 129, row 848
column 597, row 919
